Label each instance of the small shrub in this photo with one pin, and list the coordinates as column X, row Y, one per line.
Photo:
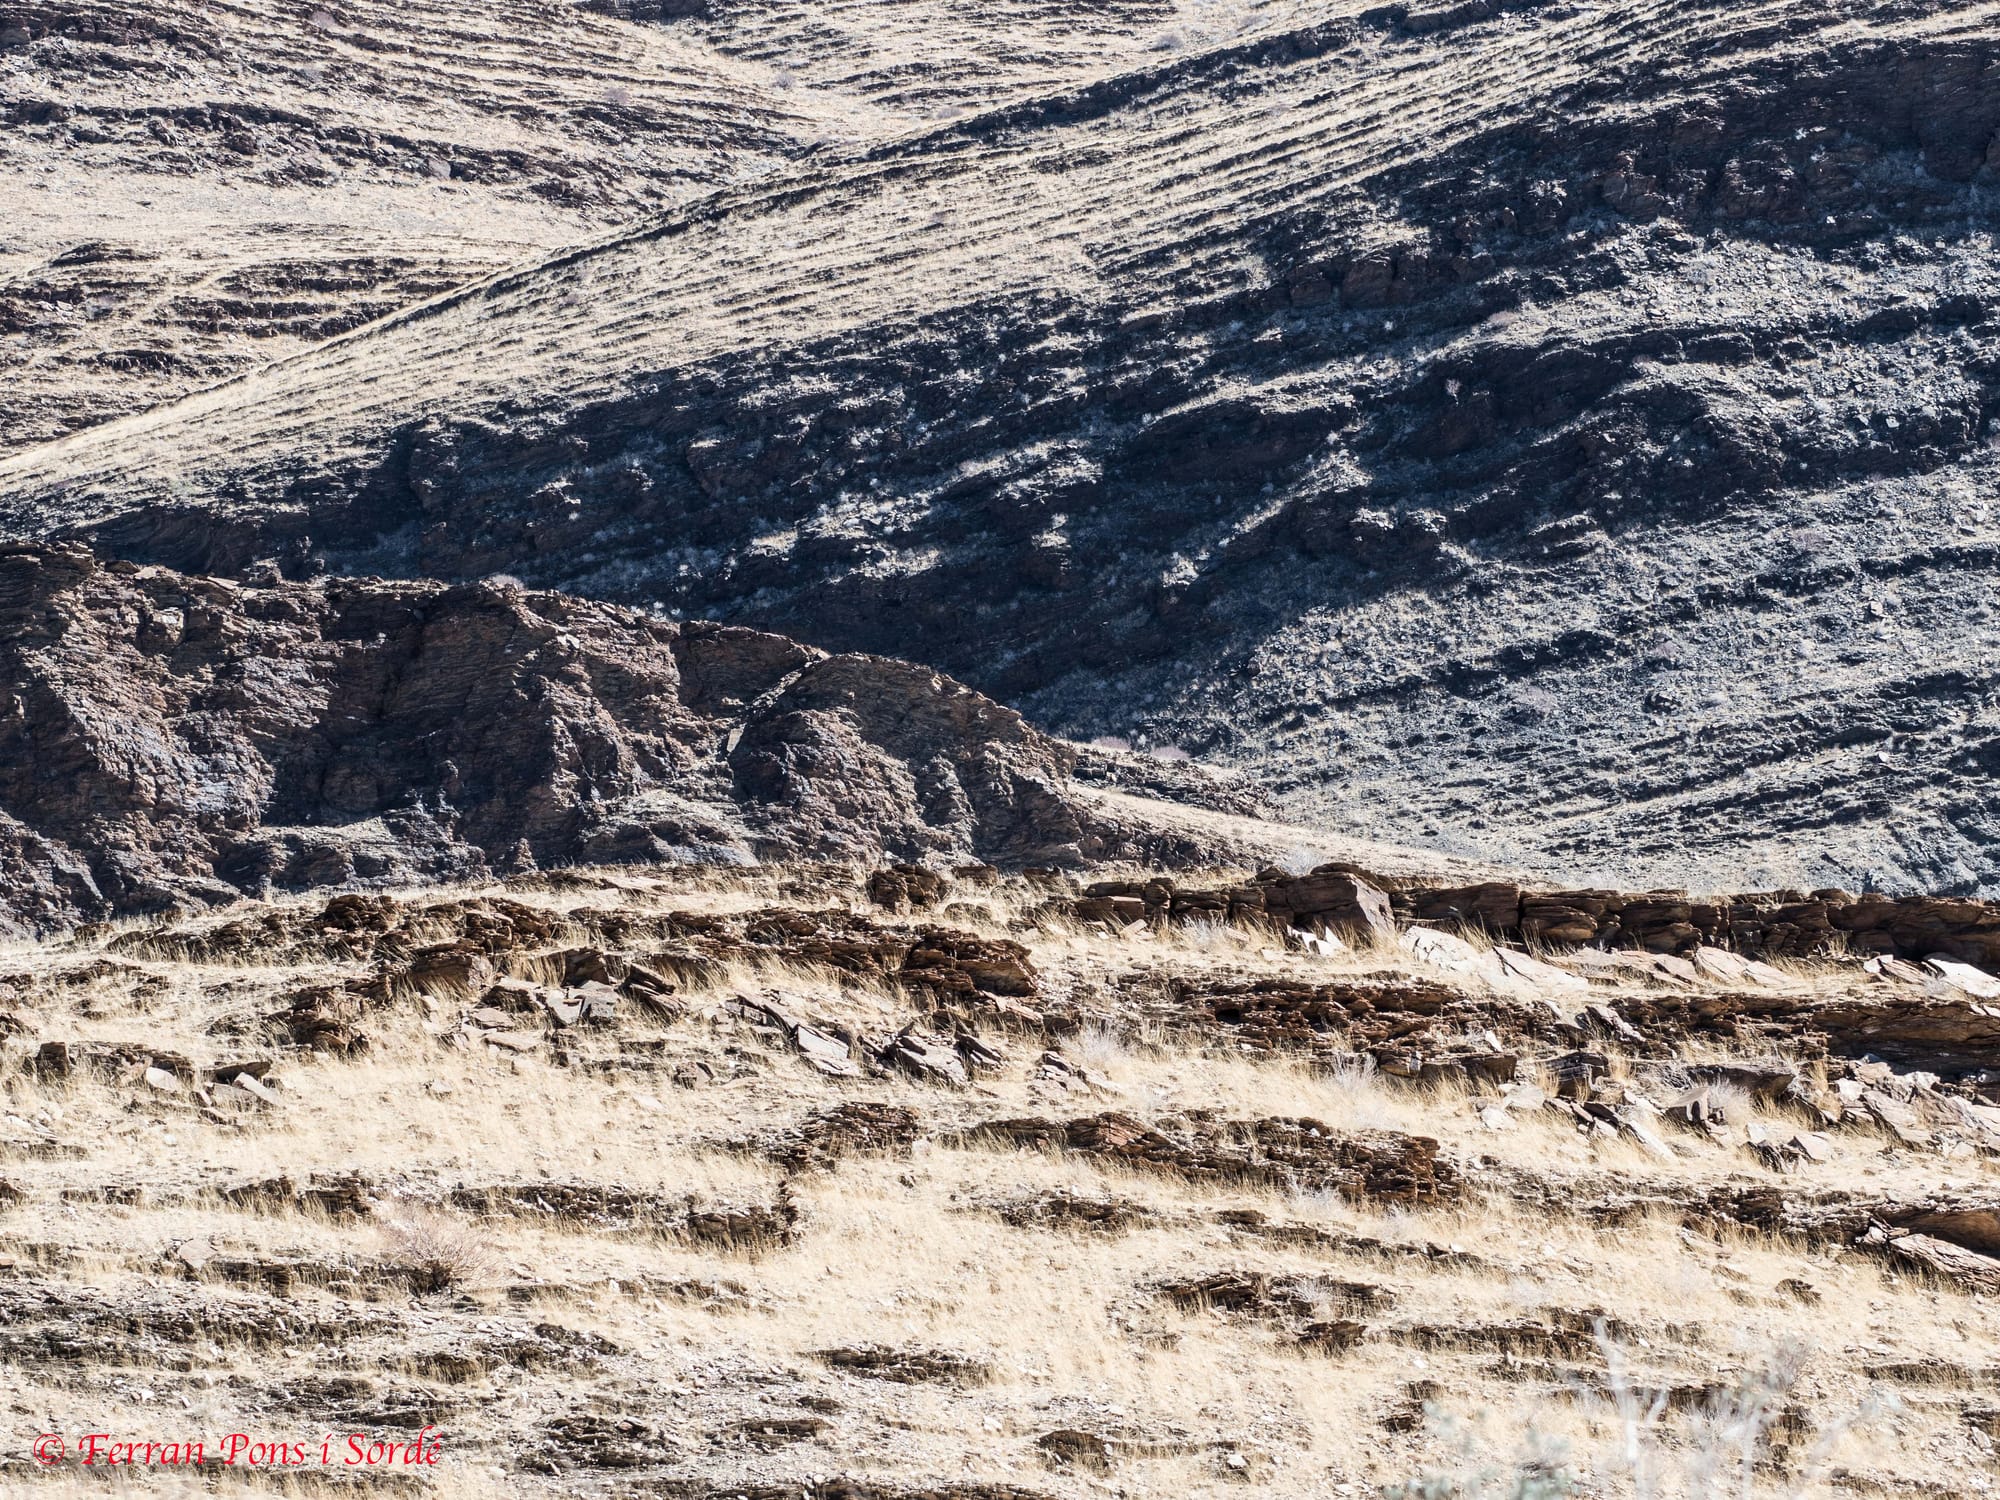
column 1301, row 860
column 438, row 1250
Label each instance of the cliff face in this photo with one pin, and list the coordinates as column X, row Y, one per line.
column 1556, row 435
column 167, row 739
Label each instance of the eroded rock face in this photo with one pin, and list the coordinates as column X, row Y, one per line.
column 1772, row 924
column 1303, row 1154
column 167, row 738
column 1593, row 481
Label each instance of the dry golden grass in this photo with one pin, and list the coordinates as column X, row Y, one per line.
column 1488, row 1338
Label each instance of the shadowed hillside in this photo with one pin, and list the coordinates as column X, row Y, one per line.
column 1555, row 434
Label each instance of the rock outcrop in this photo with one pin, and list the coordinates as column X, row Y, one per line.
column 1591, row 480
column 1768, row 924
column 167, row 739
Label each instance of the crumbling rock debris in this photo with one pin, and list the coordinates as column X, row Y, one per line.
column 1392, row 1016
column 928, row 1059
column 1784, row 1150
column 542, row 1346
column 281, row 1275
column 356, row 926
column 1332, row 1335
column 931, row 1058
column 1725, row 938
column 354, row 1401
column 47, row 1320
column 606, row 1207
column 1552, row 1333
column 1302, row 1301
column 904, row 1366
column 346, row 1195
column 824, row 1048
column 124, row 1062
column 323, row 1018
column 777, row 1432
column 1944, row 1259
column 826, row 1136
column 955, row 966
column 457, row 968
column 1821, row 1218
column 589, row 1004
column 1973, row 1225
column 651, row 992
column 1575, row 1074
column 1294, row 1153
column 1070, row 1076
column 588, row 1440
column 904, row 888
column 849, row 944
column 1070, row 1448
column 1412, row 1408
column 1066, row 1209
column 1724, row 941
column 357, row 732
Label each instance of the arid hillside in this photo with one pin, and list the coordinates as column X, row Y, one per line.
column 1559, row 435
column 927, row 750
column 194, row 190
column 806, row 1183
column 169, row 742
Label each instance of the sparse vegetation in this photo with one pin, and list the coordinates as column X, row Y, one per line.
column 673, row 1214
column 554, row 564
column 439, row 1251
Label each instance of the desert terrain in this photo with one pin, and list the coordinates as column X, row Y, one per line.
column 910, row 750
column 972, row 1185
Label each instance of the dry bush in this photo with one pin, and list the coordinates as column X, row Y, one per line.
column 1302, row 860
column 1734, row 1448
column 1207, row 934
column 438, row 1250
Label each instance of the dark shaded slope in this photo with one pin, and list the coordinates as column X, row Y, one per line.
column 1558, row 434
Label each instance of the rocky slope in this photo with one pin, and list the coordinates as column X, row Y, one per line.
column 789, row 1185
column 171, row 740
column 197, row 189
column 1553, row 433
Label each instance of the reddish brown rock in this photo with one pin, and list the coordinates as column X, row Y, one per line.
column 845, row 1130
column 1331, row 896
column 168, row 740
column 1771, row 924
column 907, row 887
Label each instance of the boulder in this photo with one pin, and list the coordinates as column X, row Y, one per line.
column 1333, row 896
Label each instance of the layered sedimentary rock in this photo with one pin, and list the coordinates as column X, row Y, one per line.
column 1776, row 924
column 167, row 738
column 1553, row 433
column 195, row 191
